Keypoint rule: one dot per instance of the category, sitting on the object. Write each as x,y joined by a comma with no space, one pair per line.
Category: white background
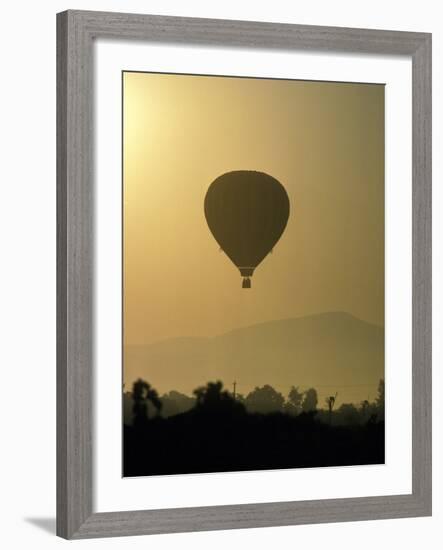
28,271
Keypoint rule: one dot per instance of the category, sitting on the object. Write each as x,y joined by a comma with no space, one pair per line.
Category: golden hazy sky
323,141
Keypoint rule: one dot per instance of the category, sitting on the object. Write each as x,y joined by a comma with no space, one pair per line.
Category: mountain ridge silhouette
328,349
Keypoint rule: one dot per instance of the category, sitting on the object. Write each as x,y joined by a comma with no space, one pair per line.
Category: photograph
253,269
218,275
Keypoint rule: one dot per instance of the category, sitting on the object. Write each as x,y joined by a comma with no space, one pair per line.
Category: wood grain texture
422,272
76,31
75,263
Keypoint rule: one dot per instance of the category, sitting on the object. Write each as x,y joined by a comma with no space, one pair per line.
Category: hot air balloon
247,212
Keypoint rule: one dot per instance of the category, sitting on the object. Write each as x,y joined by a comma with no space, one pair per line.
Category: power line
345,385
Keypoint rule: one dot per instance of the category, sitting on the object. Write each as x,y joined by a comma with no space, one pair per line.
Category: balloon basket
246,282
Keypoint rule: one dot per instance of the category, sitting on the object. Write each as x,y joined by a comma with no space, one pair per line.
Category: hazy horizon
205,335
347,356
323,141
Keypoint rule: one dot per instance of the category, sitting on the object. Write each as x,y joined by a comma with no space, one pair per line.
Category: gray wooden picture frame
76,32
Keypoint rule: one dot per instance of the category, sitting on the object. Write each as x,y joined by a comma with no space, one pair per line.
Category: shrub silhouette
175,402
294,402
142,393
380,400
264,400
347,415
310,400
213,399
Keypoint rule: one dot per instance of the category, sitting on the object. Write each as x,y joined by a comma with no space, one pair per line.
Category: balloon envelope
247,212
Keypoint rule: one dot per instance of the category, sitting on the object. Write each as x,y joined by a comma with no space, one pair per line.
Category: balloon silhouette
247,212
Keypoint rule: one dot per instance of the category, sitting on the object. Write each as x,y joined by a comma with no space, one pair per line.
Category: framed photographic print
244,274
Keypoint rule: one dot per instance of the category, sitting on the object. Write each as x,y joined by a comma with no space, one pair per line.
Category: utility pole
234,385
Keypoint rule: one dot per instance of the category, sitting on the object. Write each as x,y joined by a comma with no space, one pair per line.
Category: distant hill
330,351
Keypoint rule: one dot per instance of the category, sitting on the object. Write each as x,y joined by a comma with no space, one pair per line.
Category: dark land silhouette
217,430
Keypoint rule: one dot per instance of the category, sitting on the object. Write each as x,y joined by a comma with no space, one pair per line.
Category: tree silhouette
216,433
128,406
310,400
348,415
240,398
294,401
380,399
142,393
264,400
175,402
366,410
213,399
